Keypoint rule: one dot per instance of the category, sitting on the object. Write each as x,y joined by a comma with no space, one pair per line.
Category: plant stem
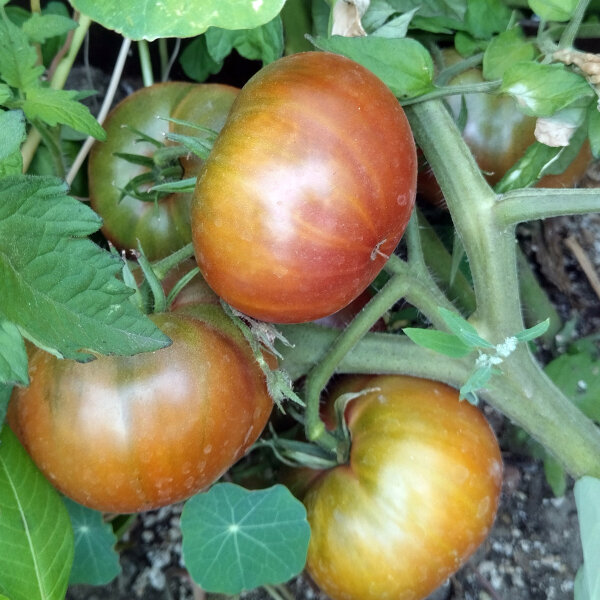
530,204
145,63
568,36
453,90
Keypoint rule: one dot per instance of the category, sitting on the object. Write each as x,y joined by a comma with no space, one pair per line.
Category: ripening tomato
498,134
307,190
417,497
163,226
132,433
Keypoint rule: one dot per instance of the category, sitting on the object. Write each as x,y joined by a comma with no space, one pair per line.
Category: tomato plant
127,434
416,498
159,222
307,190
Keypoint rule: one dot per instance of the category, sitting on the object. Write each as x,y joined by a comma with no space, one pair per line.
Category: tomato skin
498,134
164,227
128,434
307,190
418,495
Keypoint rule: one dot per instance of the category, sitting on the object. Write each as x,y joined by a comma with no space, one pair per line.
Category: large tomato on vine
132,433
418,495
307,190
160,222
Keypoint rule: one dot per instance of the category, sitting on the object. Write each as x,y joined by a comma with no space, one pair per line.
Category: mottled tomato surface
132,433
417,497
164,226
307,190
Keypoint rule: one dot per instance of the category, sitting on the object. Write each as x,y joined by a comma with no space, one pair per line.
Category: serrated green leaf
578,377
59,289
504,50
58,106
463,329
438,341
553,10
36,539
17,57
542,90
484,18
533,332
38,28
173,18
235,539
403,64
13,356
95,561
587,498
12,135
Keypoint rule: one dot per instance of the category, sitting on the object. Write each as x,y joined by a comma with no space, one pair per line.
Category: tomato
161,227
307,190
417,497
132,433
498,135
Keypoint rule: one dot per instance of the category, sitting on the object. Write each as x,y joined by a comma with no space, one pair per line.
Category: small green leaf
594,129
183,186
553,10
235,539
467,45
197,62
95,562
5,93
13,356
17,57
504,50
438,341
58,106
587,498
533,332
463,329
36,539
555,475
38,28
484,18
12,135
541,90
56,285
173,18
476,381
403,64
396,27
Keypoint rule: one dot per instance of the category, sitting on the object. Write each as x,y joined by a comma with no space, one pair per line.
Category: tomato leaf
12,134
58,106
476,381
553,10
173,18
438,341
541,90
13,357
235,539
18,58
38,28
486,17
505,50
61,290
403,64
463,329
396,27
533,332
95,562
36,540
587,498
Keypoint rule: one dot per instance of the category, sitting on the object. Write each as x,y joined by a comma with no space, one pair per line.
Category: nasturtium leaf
58,287
587,498
403,64
13,356
196,61
553,10
38,28
147,19
578,377
438,341
59,106
18,58
504,50
12,135
95,562
484,18
236,539
36,539
541,90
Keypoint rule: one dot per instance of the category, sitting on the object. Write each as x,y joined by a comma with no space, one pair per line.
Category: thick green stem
145,63
567,39
522,391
